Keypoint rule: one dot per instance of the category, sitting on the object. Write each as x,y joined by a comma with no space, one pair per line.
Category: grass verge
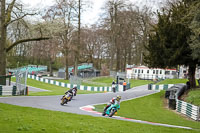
151,108
107,81
172,81
53,89
193,97
83,83
15,119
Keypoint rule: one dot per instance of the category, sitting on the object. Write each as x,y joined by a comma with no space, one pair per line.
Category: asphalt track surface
80,101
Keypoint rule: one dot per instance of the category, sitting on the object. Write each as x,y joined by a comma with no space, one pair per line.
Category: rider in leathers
115,100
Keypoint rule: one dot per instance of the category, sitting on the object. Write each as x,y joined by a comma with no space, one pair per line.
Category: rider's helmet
118,98
75,87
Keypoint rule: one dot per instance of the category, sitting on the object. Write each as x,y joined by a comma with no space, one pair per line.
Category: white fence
187,109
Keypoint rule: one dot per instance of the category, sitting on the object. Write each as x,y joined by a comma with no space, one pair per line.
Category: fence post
198,117
14,90
27,90
1,89
149,86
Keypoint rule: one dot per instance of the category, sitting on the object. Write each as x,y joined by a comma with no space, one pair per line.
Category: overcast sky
91,15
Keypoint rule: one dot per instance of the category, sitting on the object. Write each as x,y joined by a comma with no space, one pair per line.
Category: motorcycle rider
115,100
75,89
72,92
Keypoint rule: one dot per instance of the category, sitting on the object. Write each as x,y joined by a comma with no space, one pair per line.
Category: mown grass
135,83
193,97
151,108
15,119
83,83
62,80
53,89
107,81
172,81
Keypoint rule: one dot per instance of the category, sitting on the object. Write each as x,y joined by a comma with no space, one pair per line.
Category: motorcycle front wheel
112,112
63,101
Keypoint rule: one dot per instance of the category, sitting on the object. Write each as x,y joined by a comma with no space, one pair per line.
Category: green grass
15,119
172,81
151,108
107,81
53,89
193,97
83,83
63,80
135,83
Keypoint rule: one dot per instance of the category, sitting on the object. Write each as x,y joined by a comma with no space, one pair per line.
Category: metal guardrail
7,90
11,91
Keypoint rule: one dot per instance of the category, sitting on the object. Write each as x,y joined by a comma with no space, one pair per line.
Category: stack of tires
174,93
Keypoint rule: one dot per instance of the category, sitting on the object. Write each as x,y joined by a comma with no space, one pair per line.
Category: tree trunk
118,60
129,55
191,73
50,67
3,40
66,66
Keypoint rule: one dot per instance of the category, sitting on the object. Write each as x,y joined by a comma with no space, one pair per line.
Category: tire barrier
173,94
80,87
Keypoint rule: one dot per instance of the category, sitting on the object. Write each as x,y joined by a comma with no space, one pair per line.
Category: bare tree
6,20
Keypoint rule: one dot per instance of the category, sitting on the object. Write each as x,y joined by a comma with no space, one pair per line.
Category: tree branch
25,40
8,11
19,18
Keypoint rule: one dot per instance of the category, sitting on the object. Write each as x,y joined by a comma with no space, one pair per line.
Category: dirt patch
184,96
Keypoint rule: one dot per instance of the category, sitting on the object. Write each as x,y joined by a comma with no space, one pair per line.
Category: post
1,90
27,90
14,90
149,86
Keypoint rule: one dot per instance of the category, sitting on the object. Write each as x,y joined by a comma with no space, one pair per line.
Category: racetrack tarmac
53,102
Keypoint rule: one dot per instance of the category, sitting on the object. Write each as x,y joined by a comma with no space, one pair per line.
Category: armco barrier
8,91
80,87
159,87
187,109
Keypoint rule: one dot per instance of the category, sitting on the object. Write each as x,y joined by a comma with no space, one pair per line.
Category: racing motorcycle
111,110
66,98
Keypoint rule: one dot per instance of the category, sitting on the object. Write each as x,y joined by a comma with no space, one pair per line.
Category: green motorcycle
111,110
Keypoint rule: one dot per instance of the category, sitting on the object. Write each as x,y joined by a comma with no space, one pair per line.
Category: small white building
143,72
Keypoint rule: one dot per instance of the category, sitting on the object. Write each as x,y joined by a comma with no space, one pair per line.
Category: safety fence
11,91
188,109
68,85
159,87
